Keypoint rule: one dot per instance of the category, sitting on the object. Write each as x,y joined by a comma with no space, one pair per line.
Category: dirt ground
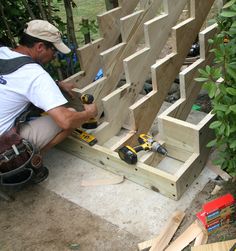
41,220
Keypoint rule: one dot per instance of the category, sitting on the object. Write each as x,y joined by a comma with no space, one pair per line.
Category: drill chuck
156,147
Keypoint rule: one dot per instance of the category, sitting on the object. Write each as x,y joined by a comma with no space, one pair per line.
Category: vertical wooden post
110,4
87,37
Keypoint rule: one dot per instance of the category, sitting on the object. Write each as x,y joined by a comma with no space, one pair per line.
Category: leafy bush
220,82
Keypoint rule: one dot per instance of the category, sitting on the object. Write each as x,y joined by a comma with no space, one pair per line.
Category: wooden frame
126,116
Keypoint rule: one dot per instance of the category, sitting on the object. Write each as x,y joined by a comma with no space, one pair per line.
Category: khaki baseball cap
42,29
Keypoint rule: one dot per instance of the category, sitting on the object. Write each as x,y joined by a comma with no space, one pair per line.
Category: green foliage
90,26
220,82
17,15
14,19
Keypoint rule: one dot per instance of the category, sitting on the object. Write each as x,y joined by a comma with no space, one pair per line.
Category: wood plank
152,178
168,232
178,133
218,246
189,88
201,239
145,246
127,24
185,238
102,182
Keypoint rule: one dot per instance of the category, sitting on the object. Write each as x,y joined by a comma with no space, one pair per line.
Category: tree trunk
42,12
70,24
26,5
8,30
71,32
49,11
87,38
110,4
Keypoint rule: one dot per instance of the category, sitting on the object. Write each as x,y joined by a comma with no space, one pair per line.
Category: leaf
208,69
215,124
233,24
233,144
220,107
227,133
212,143
201,79
203,73
230,3
212,91
217,73
233,108
228,14
74,246
218,162
210,41
222,129
231,91
231,72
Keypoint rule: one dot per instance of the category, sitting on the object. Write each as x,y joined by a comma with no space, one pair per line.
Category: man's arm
68,118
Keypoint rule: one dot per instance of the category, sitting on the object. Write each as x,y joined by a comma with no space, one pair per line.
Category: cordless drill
92,123
147,143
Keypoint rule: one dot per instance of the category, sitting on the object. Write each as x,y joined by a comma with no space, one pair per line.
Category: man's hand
67,87
91,109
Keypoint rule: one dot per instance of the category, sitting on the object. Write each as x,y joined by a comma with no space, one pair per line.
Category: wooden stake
185,238
160,242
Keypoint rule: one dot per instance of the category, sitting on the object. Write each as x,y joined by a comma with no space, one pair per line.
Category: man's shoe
39,175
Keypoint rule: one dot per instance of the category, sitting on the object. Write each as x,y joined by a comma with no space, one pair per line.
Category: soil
38,219
41,220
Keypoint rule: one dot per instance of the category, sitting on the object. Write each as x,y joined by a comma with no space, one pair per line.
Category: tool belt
16,155
19,159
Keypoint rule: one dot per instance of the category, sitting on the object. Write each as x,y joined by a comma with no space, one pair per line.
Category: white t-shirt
28,84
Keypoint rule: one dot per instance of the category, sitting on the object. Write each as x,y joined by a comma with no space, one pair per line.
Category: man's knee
40,131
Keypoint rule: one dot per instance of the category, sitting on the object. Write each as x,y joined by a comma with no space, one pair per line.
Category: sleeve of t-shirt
45,94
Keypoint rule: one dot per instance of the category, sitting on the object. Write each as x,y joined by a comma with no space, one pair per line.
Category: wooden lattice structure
125,114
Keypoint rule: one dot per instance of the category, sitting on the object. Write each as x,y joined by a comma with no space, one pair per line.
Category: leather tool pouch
16,155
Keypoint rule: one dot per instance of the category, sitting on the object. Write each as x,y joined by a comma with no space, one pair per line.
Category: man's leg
43,133
56,140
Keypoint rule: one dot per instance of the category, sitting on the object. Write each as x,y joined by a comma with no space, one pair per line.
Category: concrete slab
130,206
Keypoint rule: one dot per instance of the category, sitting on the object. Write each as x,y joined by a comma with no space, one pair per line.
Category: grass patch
84,9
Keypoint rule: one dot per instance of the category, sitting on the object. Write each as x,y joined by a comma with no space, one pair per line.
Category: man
32,84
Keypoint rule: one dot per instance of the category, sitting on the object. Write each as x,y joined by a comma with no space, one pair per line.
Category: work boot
40,172
39,175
